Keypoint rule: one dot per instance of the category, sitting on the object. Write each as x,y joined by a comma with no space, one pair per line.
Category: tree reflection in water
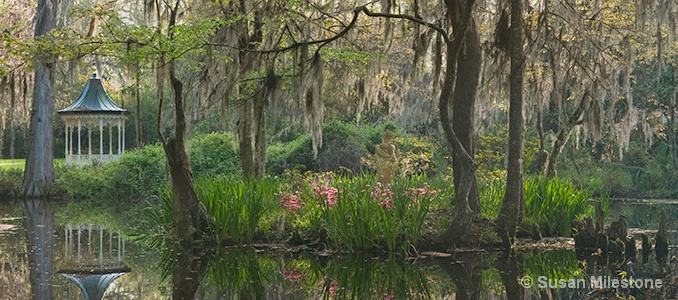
248,273
39,225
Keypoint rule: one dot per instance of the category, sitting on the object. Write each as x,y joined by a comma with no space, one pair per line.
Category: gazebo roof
93,100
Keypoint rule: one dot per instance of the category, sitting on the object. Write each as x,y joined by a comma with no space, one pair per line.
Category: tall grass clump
358,213
238,206
557,203
553,202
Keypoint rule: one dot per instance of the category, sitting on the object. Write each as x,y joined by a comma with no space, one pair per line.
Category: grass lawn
20,163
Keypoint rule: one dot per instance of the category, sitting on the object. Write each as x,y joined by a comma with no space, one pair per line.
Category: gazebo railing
88,159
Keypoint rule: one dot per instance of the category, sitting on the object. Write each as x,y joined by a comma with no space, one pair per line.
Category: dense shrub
346,213
342,150
10,182
135,174
347,148
214,154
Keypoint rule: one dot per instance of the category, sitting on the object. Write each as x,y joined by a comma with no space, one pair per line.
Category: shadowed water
54,250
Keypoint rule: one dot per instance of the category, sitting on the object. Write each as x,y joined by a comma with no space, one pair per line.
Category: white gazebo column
66,142
89,141
123,135
70,142
119,139
79,142
110,140
101,139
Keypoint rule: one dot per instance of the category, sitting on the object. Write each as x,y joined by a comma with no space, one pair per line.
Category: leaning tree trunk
463,212
192,223
513,206
39,170
463,107
564,135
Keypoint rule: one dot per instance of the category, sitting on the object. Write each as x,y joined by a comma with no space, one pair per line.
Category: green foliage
388,279
357,213
347,147
342,151
556,202
135,174
214,154
238,206
349,214
247,274
491,196
10,182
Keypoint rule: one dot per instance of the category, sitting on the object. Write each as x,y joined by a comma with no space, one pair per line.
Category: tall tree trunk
10,114
513,206
269,86
671,131
39,170
137,112
245,139
247,63
3,116
463,107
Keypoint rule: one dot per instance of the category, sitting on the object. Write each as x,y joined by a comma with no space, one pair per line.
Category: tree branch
433,26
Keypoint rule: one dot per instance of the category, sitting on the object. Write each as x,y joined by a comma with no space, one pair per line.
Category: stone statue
386,158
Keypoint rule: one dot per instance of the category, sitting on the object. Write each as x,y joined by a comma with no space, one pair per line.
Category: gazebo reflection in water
93,259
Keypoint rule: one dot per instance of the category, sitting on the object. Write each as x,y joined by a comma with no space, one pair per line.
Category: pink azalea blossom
383,196
329,194
290,201
294,274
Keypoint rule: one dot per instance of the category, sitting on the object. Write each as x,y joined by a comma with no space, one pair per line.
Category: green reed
344,213
556,202
238,206
553,201
364,214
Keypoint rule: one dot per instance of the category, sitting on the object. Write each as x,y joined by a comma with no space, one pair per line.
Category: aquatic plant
557,202
366,214
549,201
238,205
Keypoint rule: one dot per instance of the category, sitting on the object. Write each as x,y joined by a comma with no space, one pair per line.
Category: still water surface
63,251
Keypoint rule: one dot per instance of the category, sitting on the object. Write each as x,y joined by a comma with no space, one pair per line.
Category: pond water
68,251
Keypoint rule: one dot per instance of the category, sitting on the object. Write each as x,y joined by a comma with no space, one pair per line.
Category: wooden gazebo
93,109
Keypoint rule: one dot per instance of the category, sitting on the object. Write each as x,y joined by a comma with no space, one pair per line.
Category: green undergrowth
549,203
353,214
342,213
